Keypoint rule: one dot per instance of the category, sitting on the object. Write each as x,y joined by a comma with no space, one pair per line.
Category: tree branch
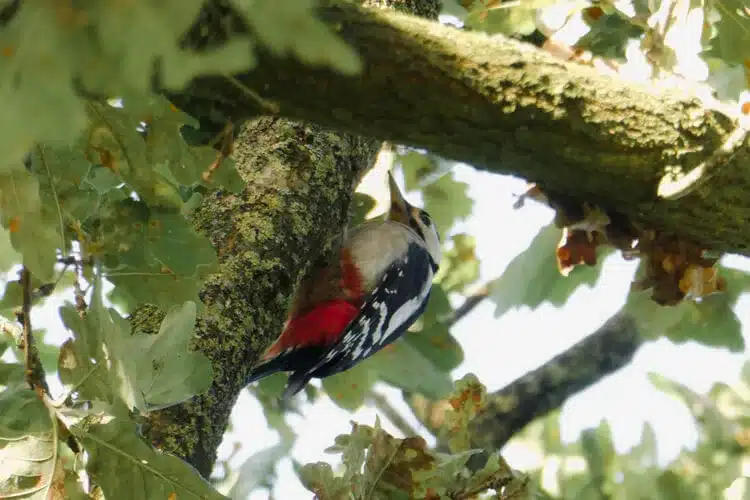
491,102
510,409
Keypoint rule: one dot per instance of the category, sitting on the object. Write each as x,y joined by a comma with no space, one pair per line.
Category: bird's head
415,218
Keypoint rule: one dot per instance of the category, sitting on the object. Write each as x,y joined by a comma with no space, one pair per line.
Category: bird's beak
399,211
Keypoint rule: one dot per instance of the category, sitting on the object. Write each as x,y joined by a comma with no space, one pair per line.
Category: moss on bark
510,108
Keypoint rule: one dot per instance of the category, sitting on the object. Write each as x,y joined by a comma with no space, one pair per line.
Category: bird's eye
426,219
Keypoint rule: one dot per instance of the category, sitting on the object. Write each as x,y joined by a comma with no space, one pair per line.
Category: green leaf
431,335
404,366
10,372
294,28
731,33
598,450
349,389
186,164
609,35
645,453
12,297
158,270
533,278
318,477
40,104
715,426
115,142
168,235
519,19
418,169
467,399
267,391
8,255
32,234
27,444
673,486
353,449
167,372
99,361
447,200
139,32
113,444
63,174
258,471
231,57
711,322
460,266
393,465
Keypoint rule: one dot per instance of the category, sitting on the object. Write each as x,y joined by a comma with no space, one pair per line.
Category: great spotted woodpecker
362,301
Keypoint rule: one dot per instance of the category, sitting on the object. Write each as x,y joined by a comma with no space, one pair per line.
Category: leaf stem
35,375
471,302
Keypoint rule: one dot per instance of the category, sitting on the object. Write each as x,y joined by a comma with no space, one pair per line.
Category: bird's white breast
376,245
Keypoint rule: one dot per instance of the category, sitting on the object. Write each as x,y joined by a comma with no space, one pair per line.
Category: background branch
510,409
384,407
471,302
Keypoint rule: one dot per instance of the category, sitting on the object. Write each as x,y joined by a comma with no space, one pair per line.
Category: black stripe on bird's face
417,216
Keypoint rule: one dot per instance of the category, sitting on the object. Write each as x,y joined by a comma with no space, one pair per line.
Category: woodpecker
362,301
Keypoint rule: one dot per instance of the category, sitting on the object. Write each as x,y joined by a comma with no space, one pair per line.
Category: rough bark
540,391
509,108
300,179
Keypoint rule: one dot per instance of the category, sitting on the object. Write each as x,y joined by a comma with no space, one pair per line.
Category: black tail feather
298,359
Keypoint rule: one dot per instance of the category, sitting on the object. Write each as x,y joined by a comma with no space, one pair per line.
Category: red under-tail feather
319,326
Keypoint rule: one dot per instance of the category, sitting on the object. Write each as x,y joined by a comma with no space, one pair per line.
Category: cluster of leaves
613,25
700,292
118,195
593,469
112,183
119,180
42,441
379,466
113,48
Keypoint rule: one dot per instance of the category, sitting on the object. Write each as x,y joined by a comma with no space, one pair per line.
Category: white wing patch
403,313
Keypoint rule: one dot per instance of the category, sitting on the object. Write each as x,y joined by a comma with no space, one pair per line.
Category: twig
34,370
471,302
383,406
226,136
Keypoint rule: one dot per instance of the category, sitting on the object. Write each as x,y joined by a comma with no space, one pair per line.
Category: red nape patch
320,326
351,278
